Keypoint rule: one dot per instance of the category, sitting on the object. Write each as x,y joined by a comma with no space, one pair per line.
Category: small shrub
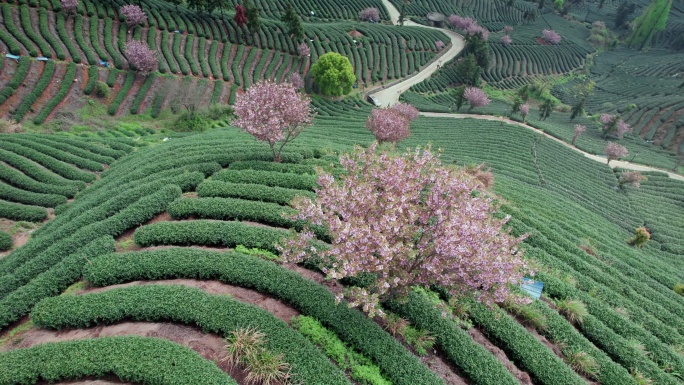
396,325
575,311
101,89
267,368
219,111
582,363
5,241
421,340
640,238
265,254
679,289
640,378
241,344
189,121
10,127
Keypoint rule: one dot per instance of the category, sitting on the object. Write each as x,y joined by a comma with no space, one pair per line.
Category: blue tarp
533,288
9,55
104,63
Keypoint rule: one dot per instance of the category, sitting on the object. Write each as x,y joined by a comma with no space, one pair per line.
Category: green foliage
14,31
361,368
17,78
575,311
583,363
190,122
18,212
293,22
653,19
272,166
257,192
214,313
6,241
18,179
64,87
679,289
333,74
44,31
268,178
468,70
130,359
257,252
36,91
135,107
308,297
123,92
640,238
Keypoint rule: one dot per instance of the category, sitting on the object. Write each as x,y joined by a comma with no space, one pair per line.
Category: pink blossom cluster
140,56
551,36
297,81
439,45
133,14
506,40
524,110
304,50
615,151
476,97
370,14
388,125
69,6
614,124
579,129
631,178
508,29
411,222
468,25
273,113
407,110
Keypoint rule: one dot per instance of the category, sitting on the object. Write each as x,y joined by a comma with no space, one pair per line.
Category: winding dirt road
390,95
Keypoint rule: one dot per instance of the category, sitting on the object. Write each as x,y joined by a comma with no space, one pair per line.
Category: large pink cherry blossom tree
476,97
133,14
273,113
392,124
410,221
140,56
69,6
615,151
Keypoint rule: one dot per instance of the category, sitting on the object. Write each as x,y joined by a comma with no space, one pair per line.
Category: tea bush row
213,313
308,297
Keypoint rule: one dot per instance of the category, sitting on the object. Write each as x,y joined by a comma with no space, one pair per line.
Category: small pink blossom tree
631,178
140,56
550,36
133,14
615,151
476,97
506,40
273,113
407,110
388,125
508,29
613,124
69,6
304,50
524,110
410,221
439,45
370,14
579,129
297,81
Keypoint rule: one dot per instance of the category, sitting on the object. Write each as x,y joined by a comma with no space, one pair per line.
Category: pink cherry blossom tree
297,81
133,14
273,113
388,125
476,97
370,14
69,6
524,110
508,29
407,110
613,124
506,40
550,36
304,50
579,129
439,45
409,221
140,56
615,151
631,178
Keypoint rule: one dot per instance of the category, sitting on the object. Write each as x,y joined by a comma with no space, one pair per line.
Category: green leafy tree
478,46
546,108
578,108
468,71
333,74
253,21
458,94
293,22
652,20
